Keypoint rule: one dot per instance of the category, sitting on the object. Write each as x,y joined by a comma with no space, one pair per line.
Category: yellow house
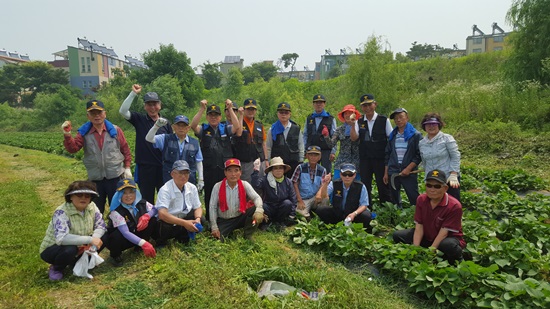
479,42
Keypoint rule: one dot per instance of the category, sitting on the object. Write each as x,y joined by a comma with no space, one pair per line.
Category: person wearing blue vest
178,146
215,142
307,181
349,199
318,131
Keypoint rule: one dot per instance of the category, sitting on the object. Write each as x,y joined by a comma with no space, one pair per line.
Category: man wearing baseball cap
372,130
307,180
179,206
438,220
177,146
215,142
148,170
348,197
228,204
107,156
318,130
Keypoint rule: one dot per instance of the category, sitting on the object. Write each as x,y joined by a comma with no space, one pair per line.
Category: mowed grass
204,274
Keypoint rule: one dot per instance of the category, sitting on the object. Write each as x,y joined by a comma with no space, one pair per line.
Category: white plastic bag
87,261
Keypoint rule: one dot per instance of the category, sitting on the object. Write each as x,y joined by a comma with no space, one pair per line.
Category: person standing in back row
148,171
372,130
318,131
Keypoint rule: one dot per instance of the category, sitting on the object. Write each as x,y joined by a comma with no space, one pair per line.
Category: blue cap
95,104
181,165
283,106
347,167
125,183
319,97
151,97
366,99
398,111
250,103
181,118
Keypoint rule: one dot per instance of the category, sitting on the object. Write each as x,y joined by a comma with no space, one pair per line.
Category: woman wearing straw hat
349,150
278,193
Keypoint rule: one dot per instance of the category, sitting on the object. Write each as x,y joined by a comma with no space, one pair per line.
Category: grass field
205,274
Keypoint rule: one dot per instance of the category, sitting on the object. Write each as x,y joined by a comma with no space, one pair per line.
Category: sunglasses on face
348,174
81,195
428,185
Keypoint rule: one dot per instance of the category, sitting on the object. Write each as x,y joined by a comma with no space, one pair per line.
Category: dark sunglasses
87,195
348,174
433,186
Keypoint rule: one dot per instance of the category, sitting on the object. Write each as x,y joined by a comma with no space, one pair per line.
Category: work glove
324,132
257,164
453,181
148,250
200,184
258,217
143,222
127,173
161,122
66,127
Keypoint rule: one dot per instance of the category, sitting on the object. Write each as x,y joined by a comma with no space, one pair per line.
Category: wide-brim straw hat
277,161
348,108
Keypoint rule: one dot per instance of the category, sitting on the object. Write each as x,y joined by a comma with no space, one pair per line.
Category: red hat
348,108
232,162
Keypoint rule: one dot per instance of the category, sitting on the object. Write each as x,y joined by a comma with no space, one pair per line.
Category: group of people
251,177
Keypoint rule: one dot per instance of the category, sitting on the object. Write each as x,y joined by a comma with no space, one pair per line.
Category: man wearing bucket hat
229,207
348,197
349,150
284,139
107,156
131,222
179,206
215,142
178,146
438,220
148,170
372,130
307,180
318,130
277,192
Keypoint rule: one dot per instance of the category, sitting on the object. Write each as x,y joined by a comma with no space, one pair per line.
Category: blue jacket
412,137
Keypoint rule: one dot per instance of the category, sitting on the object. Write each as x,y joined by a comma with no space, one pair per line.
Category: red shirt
73,145
446,215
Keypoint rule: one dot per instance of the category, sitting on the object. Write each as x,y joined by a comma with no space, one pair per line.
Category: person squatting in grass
107,156
228,204
279,198
76,225
131,222
307,181
438,220
148,170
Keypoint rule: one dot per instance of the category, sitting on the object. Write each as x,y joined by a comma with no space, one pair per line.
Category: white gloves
257,164
200,184
453,181
127,173
66,127
161,122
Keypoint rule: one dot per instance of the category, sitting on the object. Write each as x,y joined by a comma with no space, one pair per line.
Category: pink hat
348,108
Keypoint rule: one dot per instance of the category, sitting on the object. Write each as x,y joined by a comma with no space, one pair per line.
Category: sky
255,30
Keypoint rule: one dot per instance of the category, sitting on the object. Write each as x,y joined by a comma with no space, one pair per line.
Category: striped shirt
400,147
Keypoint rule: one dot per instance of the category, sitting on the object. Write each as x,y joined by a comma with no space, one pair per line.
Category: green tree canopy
529,59
234,85
211,75
419,51
263,70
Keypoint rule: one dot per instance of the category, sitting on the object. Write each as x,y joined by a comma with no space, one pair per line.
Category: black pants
166,231
410,184
376,167
116,243
330,215
149,179
212,175
244,221
60,256
450,246
293,165
325,160
106,189
279,212
454,192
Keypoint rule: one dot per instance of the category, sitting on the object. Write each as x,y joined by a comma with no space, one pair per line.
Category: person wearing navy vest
215,142
131,222
372,130
148,169
107,156
284,139
318,130
349,199
307,181
251,144
177,146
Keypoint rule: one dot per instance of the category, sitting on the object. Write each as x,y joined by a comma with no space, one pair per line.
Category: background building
7,57
479,42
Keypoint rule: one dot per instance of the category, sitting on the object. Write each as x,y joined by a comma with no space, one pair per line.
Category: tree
168,60
289,59
530,42
234,85
418,51
211,75
53,108
263,70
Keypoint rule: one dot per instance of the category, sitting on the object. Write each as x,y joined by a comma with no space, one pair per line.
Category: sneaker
116,261
54,274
